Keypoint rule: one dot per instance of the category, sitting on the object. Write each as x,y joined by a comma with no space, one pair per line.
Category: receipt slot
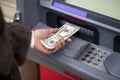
93,54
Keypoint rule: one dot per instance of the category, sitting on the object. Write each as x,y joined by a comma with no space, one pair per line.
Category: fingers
58,45
62,43
69,40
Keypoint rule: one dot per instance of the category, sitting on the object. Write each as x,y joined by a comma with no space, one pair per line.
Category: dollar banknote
64,32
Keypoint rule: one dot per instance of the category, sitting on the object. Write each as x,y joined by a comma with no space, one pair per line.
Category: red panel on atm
76,19
48,74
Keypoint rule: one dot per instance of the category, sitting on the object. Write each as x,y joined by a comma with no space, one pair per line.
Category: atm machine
93,54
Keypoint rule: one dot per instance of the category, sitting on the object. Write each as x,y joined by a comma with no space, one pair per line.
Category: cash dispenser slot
86,32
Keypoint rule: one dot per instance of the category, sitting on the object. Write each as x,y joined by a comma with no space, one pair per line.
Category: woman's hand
43,33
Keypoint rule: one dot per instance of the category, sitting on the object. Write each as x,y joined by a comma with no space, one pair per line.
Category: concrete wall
29,71
9,9
10,1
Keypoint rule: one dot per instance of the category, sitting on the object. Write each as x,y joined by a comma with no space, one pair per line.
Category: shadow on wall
29,71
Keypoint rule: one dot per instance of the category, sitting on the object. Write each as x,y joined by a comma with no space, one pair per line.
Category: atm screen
108,8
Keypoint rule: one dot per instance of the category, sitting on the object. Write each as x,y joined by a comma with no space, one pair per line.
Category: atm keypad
94,56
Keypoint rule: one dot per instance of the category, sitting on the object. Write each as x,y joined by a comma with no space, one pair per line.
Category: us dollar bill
64,32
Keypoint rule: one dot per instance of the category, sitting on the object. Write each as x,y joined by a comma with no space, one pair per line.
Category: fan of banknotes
64,32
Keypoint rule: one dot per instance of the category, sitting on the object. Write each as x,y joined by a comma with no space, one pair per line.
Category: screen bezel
93,15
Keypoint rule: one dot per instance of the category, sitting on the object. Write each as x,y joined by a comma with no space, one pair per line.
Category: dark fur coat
14,44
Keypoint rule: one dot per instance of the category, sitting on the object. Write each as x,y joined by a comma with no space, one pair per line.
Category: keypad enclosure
94,56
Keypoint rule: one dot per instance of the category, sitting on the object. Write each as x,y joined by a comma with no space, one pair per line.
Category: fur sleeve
21,37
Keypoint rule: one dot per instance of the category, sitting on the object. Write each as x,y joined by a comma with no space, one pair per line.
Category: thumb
53,30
